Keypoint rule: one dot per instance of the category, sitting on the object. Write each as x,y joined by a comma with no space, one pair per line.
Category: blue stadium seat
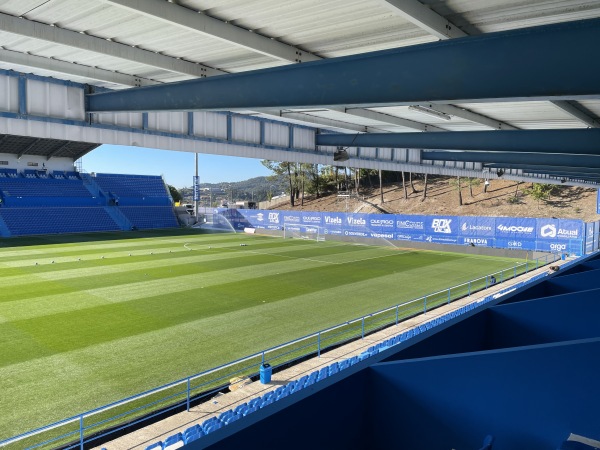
254,402
174,442
156,446
240,409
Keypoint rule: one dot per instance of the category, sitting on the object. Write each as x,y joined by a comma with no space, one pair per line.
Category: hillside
503,198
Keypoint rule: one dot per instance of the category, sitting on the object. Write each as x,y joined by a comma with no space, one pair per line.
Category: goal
297,231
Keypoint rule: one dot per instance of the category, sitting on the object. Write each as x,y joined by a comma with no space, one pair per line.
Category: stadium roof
119,44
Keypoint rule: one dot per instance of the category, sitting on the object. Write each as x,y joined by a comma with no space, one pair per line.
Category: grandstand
440,87
33,202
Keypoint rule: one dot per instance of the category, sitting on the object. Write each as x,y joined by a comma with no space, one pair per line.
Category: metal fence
92,427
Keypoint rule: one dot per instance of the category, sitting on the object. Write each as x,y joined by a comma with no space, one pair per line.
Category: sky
177,168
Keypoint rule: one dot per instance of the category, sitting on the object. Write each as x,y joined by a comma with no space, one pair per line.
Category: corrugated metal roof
326,29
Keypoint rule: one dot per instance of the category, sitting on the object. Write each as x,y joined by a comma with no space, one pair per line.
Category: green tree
541,192
175,194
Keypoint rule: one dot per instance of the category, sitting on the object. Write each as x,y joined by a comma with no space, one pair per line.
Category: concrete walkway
158,431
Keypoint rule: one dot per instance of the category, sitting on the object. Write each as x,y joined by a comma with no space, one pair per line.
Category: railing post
319,344
263,358
397,307
502,276
188,395
362,332
448,296
486,282
425,303
537,263
469,288
81,432
515,272
526,266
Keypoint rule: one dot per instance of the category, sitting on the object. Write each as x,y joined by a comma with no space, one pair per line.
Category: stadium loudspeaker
340,155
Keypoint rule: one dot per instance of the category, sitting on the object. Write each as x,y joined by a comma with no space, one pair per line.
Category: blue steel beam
517,158
546,168
564,175
551,62
571,141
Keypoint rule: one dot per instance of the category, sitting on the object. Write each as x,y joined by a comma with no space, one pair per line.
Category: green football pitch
87,320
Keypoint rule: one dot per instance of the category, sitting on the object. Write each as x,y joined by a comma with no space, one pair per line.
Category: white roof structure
118,44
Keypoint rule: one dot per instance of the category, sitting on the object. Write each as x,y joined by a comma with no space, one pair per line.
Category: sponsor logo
548,231
429,239
260,217
476,241
405,237
469,227
383,235
273,217
441,226
517,244
333,220
558,247
568,233
311,219
291,219
382,223
356,221
355,233
410,224
514,229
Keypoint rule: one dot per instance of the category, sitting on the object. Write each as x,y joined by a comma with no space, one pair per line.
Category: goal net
308,232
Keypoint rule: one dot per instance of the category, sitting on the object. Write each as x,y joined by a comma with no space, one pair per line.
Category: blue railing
96,424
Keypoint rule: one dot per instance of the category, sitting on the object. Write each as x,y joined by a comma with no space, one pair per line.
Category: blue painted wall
529,398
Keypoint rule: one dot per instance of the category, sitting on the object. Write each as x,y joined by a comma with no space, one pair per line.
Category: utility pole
196,188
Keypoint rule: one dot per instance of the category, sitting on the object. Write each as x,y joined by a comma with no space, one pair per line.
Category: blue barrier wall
551,235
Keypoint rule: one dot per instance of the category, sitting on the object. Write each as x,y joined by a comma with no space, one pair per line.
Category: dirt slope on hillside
503,198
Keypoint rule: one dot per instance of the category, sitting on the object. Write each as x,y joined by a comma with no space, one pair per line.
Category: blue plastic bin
265,373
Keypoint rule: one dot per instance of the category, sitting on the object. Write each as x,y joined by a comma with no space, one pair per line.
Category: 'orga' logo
441,226
259,217
548,231
274,217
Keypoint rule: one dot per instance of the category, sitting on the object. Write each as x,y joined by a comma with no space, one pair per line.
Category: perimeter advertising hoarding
502,232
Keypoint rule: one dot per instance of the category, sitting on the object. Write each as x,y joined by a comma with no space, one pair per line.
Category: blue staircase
120,219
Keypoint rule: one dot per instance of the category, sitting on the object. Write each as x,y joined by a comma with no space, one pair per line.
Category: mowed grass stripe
45,335
65,302
28,286
45,259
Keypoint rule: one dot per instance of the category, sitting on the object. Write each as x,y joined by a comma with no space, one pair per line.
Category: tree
404,187
284,168
424,189
175,194
541,192
456,184
381,186
472,182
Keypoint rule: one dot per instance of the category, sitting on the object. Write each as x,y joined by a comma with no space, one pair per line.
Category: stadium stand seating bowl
34,203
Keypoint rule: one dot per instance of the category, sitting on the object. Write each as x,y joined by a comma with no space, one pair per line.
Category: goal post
306,232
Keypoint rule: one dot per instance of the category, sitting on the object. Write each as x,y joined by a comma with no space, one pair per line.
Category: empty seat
174,442
156,446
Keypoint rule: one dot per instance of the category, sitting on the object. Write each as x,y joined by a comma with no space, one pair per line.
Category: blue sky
177,168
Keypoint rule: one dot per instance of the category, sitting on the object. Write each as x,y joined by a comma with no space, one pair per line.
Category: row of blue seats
21,187
196,432
27,221
144,218
132,187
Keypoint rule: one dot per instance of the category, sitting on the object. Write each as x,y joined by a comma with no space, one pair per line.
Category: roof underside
124,43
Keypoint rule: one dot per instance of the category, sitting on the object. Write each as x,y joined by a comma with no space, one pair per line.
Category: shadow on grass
27,241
